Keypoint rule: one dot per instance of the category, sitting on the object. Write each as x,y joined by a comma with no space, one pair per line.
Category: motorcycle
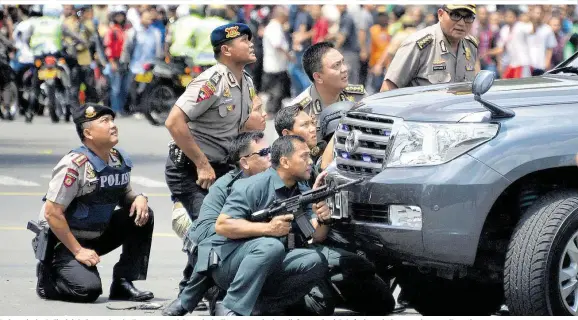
54,74
162,84
49,83
9,92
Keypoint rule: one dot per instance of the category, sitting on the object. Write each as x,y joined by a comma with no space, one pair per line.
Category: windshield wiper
568,69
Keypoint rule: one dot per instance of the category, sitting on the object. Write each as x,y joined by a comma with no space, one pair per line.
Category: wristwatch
144,195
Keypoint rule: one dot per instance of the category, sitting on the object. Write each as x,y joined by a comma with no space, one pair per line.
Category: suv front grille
376,213
373,134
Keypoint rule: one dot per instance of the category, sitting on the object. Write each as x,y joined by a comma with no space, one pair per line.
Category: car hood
453,102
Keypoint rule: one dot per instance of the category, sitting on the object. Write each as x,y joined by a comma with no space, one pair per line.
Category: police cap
228,32
470,7
91,111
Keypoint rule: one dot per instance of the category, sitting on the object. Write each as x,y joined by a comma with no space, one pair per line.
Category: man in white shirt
541,42
276,57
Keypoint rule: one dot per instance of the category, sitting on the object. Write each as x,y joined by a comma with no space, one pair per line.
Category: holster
43,243
178,157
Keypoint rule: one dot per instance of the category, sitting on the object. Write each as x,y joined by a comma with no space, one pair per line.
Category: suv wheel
541,270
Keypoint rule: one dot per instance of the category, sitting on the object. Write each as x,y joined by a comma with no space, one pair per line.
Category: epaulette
305,102
354,89
424,41
472,39
80,160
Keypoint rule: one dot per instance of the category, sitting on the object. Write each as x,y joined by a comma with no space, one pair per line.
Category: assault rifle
296,206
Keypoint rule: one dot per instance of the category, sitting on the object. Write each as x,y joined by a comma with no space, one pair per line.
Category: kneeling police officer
87,185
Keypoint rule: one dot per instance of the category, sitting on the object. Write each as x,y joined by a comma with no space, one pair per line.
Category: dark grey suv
471,191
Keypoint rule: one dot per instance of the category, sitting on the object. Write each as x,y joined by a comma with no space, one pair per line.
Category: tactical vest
48,34
204,54
182,32
92,211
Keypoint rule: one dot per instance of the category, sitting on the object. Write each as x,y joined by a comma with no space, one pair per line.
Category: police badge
90,112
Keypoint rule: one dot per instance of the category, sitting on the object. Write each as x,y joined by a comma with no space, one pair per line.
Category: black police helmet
329,118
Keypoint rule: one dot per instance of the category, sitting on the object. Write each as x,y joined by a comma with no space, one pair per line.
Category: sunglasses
455,16
263,152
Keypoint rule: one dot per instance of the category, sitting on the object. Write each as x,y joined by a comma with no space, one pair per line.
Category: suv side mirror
482,82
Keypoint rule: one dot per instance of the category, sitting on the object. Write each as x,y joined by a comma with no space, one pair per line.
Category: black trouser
278,86
70,280
80,74
183,187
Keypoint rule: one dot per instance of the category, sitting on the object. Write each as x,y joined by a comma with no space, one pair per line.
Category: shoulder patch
305,101
210,87
424,41
80,160
473,40
355,89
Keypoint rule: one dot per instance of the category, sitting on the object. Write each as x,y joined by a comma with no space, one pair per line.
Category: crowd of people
367,35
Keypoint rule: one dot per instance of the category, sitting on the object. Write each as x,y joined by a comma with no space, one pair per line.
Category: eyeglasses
455,16
263,152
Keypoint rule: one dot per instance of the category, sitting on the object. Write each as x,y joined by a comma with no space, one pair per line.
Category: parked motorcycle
165,82
54,79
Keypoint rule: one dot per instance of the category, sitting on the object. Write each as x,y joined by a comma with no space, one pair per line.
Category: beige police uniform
74,176
217,106
311,102
426,58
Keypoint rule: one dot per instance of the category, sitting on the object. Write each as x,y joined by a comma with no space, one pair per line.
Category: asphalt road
28,152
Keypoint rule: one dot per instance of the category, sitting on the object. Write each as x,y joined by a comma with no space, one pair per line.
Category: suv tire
542,248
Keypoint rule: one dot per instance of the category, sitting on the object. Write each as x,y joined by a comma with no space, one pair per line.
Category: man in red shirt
113,43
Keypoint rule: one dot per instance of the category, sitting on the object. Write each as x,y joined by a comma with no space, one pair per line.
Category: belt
86,234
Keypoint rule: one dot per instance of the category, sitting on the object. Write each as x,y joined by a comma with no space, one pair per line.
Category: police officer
216,106
182,31
251,152
45,35
326,68
292,120
360,289
86,186
441,53
253,264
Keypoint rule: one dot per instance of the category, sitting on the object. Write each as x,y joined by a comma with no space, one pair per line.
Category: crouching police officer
260,275
87,184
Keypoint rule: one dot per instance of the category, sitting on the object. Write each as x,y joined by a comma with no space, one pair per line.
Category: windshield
571,62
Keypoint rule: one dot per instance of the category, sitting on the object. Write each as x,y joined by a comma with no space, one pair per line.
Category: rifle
296,205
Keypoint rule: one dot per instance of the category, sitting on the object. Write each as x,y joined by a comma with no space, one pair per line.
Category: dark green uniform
316,302
258,272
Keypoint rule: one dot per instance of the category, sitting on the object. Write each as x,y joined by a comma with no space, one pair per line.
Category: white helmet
118,9
52,10
183,10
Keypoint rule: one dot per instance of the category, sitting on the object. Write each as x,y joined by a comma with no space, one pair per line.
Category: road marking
10,181
155,234
46,176
146,182
41,194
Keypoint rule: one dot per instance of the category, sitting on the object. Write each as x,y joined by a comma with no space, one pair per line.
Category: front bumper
454,198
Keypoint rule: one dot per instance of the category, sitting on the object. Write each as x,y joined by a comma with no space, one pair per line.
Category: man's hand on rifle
321,209
280,226
320,180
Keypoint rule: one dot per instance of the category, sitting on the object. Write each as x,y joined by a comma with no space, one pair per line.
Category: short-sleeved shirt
63,188
426,58
217,105
312,104
247,196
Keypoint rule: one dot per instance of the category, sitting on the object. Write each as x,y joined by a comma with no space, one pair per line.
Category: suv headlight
426,144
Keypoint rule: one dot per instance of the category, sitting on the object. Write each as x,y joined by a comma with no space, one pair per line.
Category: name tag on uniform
439,65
